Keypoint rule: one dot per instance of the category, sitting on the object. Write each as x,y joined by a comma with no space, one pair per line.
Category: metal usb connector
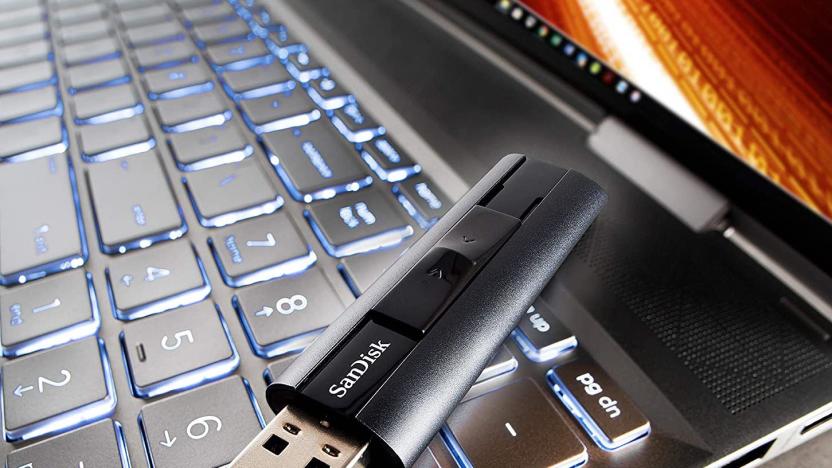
295,438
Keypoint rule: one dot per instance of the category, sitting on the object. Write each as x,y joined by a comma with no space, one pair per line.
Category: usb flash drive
378,384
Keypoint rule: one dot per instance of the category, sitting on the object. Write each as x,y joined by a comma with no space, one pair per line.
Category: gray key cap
209,147
154,280
25,76
355,125
238,55
286,315
126,5
22,16
169,352
166,83
21,34
98,445
84,32
502,363
518,416
192,112
114,139
327,94
279,111
361,271
208,34
422,200
154,33
40,233
232,192
304,67
208,13
274,369
34,51
160,54
133,204
53,391
48,313
83,77
29,140
541,336
315,162
102,105
260,249
257,81
146,15
357,222
79,14
90,51
211,424
27,103
388,161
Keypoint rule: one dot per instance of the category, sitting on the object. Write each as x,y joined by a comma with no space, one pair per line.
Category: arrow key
57,390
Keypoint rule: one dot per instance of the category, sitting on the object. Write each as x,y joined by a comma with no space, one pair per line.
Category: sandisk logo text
358,368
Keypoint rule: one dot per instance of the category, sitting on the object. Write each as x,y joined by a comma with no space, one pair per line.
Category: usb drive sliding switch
380,381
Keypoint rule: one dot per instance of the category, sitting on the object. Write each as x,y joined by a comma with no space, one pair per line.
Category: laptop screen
753,75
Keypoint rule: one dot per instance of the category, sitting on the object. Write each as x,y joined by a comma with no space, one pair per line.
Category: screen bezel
787,217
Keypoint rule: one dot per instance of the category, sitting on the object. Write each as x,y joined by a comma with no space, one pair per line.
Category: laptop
190,190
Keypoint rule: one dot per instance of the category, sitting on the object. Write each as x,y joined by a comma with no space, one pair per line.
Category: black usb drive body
378,384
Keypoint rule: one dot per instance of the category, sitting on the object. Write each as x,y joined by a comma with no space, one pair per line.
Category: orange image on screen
755,75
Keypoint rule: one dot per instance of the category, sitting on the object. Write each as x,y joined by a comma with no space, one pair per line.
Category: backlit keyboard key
607,414
541,336
388,162
57,390
178,350
303,67
48,313
258,81
34,51
355,125
84,77
29,105
167,53
34,139
97,445
106,105
150,281
192,112
209,147
179,81
24,77
515,425
151,14
501,363
205,14
156,33
213,423
84,32
232,192
260,249
285,315
238,55
278,111
357,222
361,271
91,51
115,139
21,34
422,200
78,14
314,162
327,94
41,234
214,33
26,15
132,203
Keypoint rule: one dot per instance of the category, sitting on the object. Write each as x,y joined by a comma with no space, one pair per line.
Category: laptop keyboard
179,182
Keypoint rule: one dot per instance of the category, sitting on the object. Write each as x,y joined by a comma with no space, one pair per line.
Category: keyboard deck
187,198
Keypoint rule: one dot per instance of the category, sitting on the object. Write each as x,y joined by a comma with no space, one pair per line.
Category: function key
192,112
178,81
422,200
260,249
35,139
355,125
178,350
515,425
314,162
115,139
284,316
97,445
48,313
357,222
327,94
21,78
107,104
42,233
262,80
209,147
541,336
229,193
29,105
238,55
214,422
133,204
278,111
154,280
387,161
606,413
85,77
57,390
304,67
